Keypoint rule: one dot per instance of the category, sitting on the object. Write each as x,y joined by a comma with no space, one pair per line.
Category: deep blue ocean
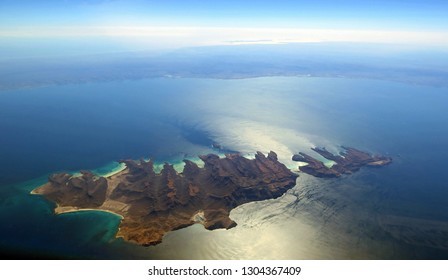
395,212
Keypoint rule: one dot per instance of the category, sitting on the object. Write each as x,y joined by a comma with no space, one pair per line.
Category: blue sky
164,22
404,14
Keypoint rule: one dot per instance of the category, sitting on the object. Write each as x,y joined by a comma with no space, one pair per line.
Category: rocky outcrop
347,162
153,204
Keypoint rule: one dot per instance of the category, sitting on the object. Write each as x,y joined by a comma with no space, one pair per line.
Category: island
347,162
152,204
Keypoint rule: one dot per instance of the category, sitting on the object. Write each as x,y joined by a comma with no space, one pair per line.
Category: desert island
152,204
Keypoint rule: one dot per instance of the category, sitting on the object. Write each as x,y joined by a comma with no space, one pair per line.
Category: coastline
33,191
58,210
69,209
114,171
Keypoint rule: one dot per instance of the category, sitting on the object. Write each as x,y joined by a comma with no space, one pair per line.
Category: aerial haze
87,84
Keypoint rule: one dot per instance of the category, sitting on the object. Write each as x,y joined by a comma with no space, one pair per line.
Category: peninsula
347,162
152,204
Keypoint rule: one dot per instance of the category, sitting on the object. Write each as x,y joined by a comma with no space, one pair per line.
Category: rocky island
347,162
152,204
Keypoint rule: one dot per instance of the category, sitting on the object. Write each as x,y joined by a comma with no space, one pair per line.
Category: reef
152,204
347,162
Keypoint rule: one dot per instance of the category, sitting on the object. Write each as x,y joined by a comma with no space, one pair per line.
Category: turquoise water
399,211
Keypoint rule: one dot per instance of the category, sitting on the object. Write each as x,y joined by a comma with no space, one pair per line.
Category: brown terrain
153,204
349,161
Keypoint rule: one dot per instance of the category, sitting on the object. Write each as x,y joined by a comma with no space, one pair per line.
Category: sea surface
395,212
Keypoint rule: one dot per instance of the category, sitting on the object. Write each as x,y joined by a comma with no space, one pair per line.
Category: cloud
197,36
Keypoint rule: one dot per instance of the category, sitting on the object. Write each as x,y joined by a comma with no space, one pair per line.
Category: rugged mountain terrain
349,161
153,204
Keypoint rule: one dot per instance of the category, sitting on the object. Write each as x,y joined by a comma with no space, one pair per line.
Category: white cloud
197,36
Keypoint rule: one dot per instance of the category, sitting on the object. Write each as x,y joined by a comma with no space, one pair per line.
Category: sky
179,23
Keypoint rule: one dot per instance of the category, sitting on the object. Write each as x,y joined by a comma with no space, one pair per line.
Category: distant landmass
230,62
153,204
349,161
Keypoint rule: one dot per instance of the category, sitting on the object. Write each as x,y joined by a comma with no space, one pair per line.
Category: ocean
395,212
